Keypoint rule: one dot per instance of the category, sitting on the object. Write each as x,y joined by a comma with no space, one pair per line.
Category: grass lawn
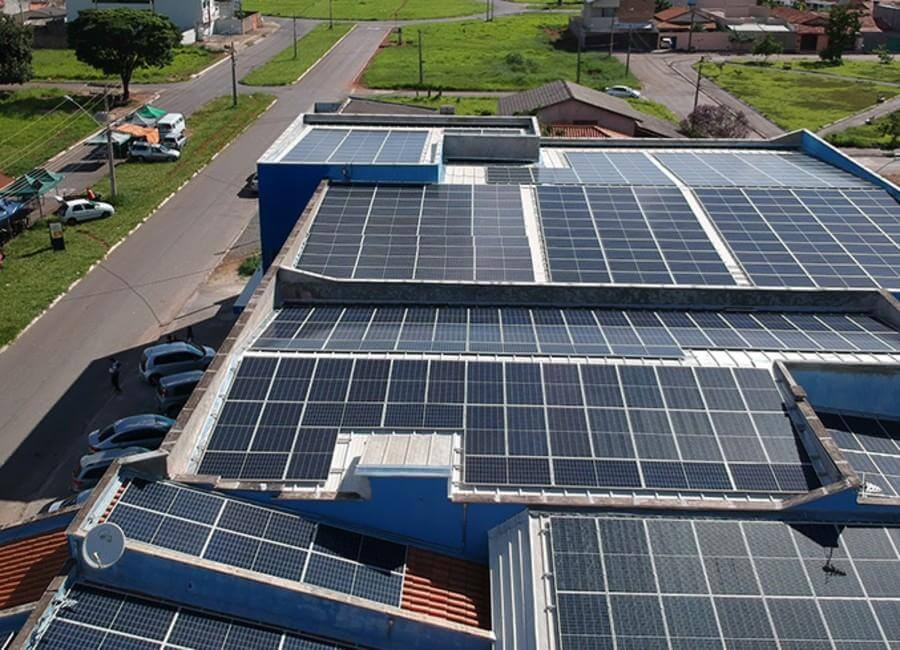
793,100
367,9
873,70
34,275
35,125
284,69
865,136
510,53
655,109
62,65
464,105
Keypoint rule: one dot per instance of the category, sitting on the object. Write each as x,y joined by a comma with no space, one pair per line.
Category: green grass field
35,125
34,275
463,105
367,9
873,70
510,53
654,108
62,65
793,100
284,69
865,136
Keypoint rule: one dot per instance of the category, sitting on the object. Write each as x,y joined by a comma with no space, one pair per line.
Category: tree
767,47
120,41
844,22
15,53
661,5
715,121
890,128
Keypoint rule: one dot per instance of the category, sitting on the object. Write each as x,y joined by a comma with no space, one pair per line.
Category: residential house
197,16
720,26
564,102
808,28
616,24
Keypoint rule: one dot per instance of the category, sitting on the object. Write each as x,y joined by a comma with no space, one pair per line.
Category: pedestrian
114,369
90,193
190,334
2,258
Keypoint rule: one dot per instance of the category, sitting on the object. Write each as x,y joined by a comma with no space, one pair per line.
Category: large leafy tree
844,22
15,51
119,41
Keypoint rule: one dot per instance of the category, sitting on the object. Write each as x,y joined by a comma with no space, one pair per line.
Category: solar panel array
685,584
805,238
631,427
264,540
871,445
438,232
626,235
571,331
359,146
616,168
93,618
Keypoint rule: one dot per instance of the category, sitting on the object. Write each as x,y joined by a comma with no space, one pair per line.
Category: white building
196,16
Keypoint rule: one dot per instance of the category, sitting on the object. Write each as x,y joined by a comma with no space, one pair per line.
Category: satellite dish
103,546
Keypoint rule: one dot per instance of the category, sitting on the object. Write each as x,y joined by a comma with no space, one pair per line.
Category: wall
184,13
572,112
51,36
709,41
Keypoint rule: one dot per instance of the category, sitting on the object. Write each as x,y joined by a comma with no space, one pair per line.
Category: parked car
62,504
169,358
151,152
146,431
91,466
171,123
622,91
78,210
175,140
173,391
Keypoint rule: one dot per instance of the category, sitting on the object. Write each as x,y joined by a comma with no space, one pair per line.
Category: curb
327,52
138,225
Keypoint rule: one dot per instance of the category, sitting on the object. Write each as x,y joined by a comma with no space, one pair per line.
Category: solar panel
572,244
616,168
439,232
803,237
685,583
91,617
871,445
359,146
561,331
263,540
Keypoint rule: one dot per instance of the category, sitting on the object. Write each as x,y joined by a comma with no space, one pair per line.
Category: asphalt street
53,377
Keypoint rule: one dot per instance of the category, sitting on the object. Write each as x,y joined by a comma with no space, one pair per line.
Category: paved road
669,79
874,112
53,378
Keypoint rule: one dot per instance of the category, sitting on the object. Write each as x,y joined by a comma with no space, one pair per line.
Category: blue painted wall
285,189
818,148
36,527
258,600
871,389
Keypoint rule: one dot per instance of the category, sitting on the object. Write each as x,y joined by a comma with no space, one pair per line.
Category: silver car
169,358
91,467
151,152
174,391
146,430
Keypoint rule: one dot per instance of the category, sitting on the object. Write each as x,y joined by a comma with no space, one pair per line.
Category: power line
31,123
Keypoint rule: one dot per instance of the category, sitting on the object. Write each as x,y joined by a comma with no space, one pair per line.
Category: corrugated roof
582,131
28,565
671,13
448,588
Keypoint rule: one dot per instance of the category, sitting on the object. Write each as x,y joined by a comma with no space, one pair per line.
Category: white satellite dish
103,546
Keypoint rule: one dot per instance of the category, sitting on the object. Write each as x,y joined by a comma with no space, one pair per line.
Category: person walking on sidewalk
114,370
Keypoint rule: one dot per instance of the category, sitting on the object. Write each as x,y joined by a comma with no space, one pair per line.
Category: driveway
53,377
669,79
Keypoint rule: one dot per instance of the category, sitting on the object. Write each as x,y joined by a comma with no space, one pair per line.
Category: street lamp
103,120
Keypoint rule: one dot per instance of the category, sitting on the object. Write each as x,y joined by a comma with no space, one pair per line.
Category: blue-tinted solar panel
572,244
316,146
75,625
616,168
684,583
360,146
402,147
872,447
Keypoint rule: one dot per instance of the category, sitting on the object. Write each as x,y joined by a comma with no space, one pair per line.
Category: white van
171,125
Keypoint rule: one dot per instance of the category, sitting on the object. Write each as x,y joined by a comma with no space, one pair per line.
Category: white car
78,210
622,91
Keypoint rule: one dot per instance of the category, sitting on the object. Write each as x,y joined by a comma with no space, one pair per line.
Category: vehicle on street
92,466
173,391
253,183
146,430
622,91
78,210
170,358
171,124
152,152
62,504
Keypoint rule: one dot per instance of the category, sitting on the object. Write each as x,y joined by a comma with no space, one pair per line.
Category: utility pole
578,63
109,147
233,77
691,33
294,24
612,36
697,87
628,54
421,63
330,14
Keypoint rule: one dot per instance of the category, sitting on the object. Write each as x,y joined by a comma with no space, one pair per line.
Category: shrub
710,121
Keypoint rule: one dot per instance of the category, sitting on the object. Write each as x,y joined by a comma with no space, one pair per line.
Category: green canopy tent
31,185
147,115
